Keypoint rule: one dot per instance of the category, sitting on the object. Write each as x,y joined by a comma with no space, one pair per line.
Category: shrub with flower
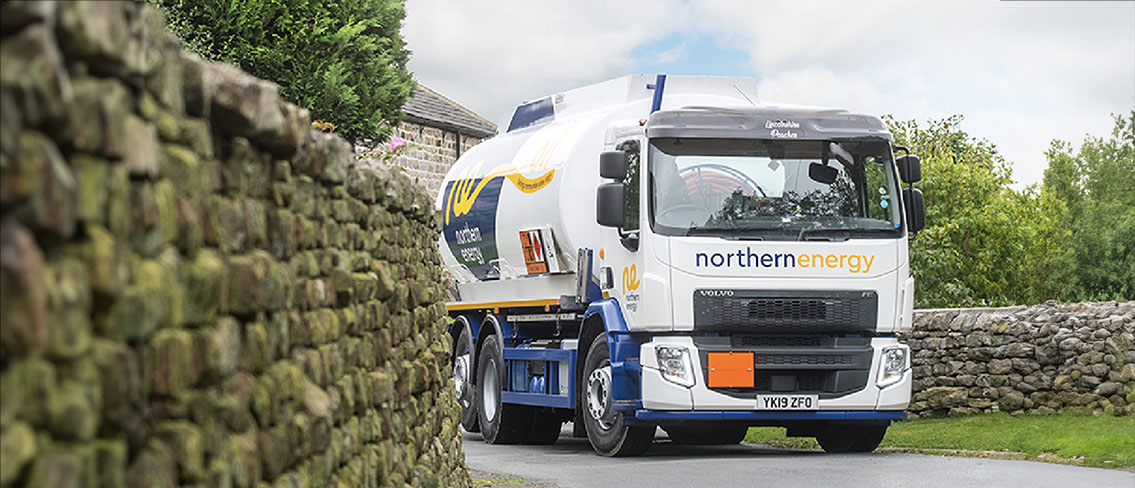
388,151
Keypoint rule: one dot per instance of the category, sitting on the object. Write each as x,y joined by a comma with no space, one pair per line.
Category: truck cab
746,266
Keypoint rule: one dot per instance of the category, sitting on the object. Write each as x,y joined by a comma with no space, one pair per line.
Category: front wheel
608,434
851,438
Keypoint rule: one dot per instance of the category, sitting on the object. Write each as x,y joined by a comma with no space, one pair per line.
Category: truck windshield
774,189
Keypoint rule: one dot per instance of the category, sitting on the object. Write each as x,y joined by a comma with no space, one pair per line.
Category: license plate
788,402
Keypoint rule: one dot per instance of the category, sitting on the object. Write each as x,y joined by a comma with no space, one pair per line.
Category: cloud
1023,73
492,54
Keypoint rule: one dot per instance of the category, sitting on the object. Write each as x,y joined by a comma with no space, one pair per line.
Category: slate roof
427,107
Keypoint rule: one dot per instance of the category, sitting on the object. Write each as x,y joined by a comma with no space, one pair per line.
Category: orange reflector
731,370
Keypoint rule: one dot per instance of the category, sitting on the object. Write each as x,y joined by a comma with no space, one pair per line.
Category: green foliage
1070,239
1094,189
984,244
345,60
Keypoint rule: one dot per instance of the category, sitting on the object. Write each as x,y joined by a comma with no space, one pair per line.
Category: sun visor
765,123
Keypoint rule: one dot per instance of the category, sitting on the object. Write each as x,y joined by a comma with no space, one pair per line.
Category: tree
345,60
1095,188
984,244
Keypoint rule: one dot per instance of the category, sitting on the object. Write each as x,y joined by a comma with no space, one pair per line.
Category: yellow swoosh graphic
463,194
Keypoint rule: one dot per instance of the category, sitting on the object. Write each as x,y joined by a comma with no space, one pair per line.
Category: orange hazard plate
731,370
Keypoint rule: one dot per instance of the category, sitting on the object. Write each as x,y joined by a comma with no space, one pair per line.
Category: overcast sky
1021,72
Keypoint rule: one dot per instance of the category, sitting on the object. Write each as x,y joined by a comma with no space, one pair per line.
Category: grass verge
1101,441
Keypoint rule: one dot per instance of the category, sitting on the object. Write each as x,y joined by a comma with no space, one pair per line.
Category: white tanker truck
658,251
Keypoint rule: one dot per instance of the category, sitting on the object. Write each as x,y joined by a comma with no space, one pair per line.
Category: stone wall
434,153
197,289
1043,358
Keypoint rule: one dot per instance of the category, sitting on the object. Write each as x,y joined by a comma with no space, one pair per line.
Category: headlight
895,363
675,365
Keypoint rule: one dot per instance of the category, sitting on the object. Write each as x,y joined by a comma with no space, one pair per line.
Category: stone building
441,131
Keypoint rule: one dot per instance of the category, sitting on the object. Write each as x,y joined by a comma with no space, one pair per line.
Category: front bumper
758,416
661,396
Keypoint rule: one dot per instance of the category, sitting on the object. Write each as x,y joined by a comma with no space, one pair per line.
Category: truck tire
501,423
706,435
851,438
463,383
608,434
545,429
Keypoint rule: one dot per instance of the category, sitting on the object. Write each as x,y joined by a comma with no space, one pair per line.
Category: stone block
169,357
120,377
96,122
205,284
110,458
17,450
56,468
107,36
219,348
73,412
35,75
143,304
246,466
242,105
246,276
255,354
23,295
187,446
140,148
43,185
153,466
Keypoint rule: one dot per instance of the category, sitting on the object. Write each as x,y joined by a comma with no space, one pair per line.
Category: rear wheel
463,383
706,435
608,434
851,438
500,423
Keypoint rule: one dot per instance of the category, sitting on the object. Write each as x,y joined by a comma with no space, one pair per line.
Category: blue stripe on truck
664,415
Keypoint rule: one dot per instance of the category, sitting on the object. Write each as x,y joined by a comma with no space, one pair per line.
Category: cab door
621,252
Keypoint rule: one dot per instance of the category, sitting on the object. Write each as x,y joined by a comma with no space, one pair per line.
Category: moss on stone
17,449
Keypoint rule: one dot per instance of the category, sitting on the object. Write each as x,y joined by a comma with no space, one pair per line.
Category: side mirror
610,204
915,209
822,173
613,165
910,168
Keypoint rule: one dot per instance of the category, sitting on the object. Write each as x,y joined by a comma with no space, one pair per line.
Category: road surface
570,463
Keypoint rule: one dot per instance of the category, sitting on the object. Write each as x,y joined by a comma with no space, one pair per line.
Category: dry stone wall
195,288
1043,358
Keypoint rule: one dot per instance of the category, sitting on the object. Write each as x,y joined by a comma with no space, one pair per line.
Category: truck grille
781,311
830,366
776,341
788,360
808,381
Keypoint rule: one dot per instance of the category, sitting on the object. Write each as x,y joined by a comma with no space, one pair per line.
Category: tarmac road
571,463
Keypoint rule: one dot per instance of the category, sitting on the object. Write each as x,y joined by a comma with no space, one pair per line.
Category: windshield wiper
727,233
830,234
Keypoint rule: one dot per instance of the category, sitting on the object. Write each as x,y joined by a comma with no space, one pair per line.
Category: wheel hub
461,376
599,397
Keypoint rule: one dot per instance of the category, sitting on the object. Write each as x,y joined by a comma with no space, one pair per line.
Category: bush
345,60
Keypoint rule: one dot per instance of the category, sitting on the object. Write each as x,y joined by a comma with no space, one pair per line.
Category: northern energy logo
746,258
